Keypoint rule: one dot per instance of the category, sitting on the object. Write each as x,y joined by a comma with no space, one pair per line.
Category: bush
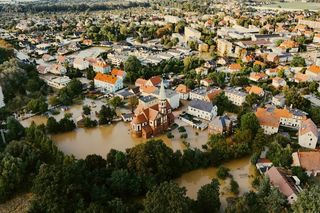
223,172
181,129
184,136
170,135
234,186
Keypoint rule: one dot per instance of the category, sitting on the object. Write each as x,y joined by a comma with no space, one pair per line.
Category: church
153,120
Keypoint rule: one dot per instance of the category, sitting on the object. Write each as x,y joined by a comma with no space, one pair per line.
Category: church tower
162,100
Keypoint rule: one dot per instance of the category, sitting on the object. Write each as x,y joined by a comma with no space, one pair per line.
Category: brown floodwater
241,169
102,139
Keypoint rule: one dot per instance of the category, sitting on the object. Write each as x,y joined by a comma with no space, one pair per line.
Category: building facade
153,120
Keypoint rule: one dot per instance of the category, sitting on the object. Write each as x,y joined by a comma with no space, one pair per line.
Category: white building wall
308,140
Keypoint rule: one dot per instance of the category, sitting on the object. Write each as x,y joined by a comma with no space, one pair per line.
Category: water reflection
240,169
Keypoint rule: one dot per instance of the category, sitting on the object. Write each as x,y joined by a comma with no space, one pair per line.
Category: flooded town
159,106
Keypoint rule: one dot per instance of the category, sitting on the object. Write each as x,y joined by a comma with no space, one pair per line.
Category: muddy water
102,139
241,170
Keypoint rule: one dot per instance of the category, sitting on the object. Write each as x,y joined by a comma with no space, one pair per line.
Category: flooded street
240,169
102,139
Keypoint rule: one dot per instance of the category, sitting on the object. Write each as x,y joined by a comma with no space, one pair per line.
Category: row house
271,118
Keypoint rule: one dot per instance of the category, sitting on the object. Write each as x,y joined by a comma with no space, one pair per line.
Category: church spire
162,93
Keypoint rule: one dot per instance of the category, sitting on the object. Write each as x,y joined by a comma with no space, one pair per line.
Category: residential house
212,94
313,72
206,82
202,109
183,91
153,120
300,77
220,125
308,134
286,183
119,73
57,82
278,82
233,68
154,81
202,71
191,34
101,66
80,63
58,69
255,90
140,82
2,104
258,76
279,100
107,83
235,96
270,118
309,161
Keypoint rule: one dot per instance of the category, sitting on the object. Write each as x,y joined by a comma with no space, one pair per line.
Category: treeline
36,8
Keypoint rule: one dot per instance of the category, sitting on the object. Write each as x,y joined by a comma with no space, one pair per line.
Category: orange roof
155,80
257,75
289,44
141,81
254,89
182,89
212,95
317,35
148,89
300,77
310,161
259,63
140,118
314,68
235,66
106,78
117,72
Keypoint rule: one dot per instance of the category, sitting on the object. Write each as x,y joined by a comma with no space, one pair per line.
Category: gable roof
106,78
314,69
278,179
182,89
308,126
310,161
201,105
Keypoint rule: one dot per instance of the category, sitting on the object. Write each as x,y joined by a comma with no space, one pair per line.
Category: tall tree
168,197
208,197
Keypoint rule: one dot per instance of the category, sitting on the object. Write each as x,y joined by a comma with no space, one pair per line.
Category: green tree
223,172
168,197
298,61
37,105
52,125
280,156
133,102
115,102
106,114
308,200
208,197
234,186
250,121
132,66
86,110
14,129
